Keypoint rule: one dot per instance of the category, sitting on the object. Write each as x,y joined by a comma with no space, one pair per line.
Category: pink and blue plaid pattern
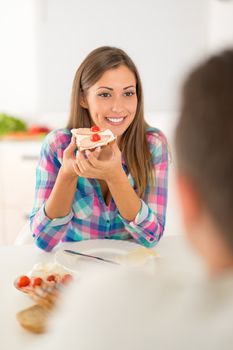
90,218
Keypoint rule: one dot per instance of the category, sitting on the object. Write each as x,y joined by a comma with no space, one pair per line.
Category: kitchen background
42,42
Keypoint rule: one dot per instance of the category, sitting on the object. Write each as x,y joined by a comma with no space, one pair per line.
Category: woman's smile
115,121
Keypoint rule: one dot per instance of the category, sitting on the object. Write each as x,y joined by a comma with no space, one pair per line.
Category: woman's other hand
102,164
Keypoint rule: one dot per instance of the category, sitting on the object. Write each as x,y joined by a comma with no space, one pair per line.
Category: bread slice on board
33,319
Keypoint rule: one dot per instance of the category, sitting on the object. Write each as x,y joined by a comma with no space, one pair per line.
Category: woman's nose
117,106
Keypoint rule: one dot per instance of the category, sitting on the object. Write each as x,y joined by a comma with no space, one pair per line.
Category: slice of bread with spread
33,319
91,138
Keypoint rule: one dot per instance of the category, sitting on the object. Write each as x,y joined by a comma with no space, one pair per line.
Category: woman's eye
129,93
104,94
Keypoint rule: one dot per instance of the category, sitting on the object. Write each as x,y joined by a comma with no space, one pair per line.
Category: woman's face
112,100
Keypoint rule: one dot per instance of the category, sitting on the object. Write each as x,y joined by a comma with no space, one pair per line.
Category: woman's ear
83,100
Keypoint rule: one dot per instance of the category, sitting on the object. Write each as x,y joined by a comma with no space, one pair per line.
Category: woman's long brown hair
133,143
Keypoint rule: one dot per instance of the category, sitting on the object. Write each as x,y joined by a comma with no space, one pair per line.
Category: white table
18,260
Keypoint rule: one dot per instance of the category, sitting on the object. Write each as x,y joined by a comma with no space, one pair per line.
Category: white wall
220,25
163,37
47,39
18,71
43,41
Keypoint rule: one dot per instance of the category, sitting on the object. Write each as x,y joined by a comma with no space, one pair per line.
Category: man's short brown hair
204,137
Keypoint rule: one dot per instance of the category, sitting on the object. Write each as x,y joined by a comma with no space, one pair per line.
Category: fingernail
98,149
87,152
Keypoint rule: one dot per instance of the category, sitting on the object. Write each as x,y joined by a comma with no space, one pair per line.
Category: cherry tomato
95,128
67,278
23,281
95,137
36,281
51,278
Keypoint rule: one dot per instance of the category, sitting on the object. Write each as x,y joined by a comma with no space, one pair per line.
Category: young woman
117,192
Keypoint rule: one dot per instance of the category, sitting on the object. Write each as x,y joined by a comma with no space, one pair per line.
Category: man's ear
83,100
190,201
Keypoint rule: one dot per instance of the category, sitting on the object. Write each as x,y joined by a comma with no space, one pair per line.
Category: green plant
9,124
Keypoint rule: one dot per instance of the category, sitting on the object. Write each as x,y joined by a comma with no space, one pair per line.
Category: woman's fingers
84,164
88,164
81,162
92,158
76,169
114,147
69,151
96,152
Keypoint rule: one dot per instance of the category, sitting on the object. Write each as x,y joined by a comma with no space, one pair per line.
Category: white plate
104,248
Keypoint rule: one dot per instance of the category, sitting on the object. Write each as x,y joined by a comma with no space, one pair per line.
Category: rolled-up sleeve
148,226
46,232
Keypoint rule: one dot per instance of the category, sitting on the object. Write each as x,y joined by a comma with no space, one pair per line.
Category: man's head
204,146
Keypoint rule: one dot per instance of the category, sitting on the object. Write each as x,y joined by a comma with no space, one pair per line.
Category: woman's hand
68,159
100,164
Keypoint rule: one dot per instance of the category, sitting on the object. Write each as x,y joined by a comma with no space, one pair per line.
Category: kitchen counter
21,137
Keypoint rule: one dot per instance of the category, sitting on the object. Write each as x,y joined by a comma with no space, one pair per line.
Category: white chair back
24,236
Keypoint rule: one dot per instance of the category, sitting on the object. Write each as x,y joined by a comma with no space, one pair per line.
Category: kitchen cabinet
18,161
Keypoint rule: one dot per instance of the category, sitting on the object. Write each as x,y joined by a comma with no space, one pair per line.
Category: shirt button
108,221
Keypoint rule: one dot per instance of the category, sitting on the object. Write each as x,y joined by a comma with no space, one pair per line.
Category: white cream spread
106,136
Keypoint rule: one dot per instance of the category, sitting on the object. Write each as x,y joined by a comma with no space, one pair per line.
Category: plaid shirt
90,217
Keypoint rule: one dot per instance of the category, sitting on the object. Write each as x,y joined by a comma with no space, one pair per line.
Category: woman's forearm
61,198
127,201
